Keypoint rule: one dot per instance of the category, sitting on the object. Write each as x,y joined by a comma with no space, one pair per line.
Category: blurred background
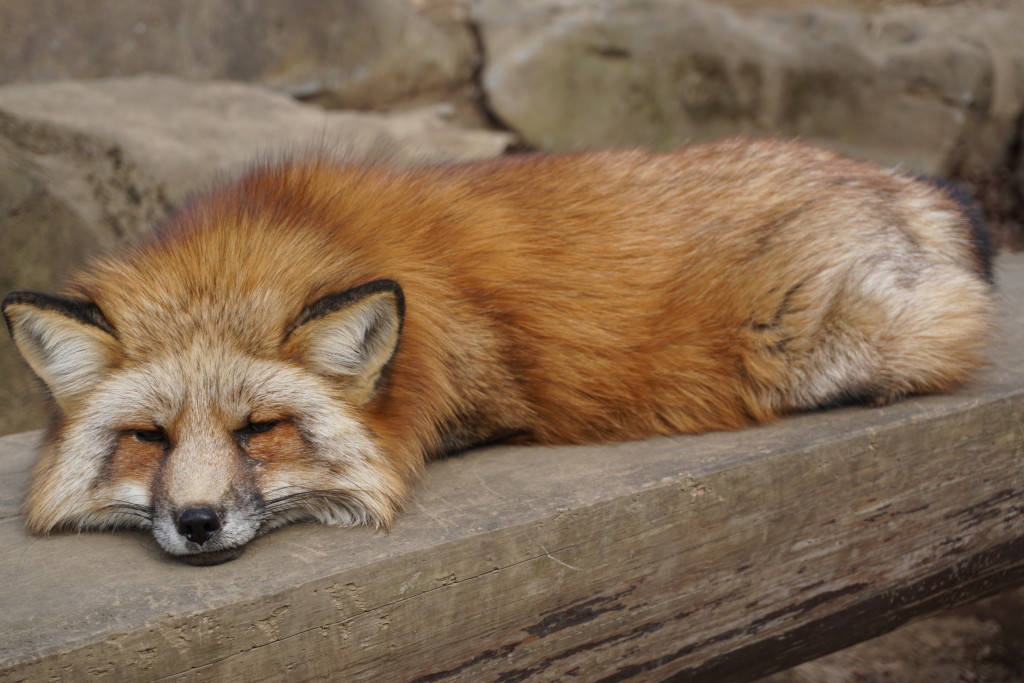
112,112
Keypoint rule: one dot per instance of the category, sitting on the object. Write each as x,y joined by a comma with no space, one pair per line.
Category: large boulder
934,90
353,53
85,166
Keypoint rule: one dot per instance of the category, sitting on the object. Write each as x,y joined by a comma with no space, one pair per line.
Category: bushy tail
981,240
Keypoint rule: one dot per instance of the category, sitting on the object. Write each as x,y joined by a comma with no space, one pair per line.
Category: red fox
298,344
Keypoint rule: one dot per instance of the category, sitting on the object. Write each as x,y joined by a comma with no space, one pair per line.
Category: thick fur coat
297,344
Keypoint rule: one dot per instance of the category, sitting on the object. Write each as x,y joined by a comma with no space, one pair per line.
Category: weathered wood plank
719,557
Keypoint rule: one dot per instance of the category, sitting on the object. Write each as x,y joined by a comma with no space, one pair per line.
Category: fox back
297,344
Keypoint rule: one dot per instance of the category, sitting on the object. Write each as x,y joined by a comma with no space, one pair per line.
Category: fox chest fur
297,345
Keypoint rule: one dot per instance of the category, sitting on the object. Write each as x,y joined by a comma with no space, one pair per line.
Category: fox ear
352,334
68,343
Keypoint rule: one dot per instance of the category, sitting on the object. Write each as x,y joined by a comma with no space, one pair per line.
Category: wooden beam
720,557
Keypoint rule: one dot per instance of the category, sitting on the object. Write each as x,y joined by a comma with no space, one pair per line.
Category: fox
298,343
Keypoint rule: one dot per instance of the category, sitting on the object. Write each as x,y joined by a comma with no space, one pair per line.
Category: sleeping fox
298,344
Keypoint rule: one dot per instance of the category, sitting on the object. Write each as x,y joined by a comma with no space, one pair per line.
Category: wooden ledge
721,557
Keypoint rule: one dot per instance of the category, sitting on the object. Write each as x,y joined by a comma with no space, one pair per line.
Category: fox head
211,439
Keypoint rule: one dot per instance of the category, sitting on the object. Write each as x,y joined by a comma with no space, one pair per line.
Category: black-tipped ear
67,343
351,334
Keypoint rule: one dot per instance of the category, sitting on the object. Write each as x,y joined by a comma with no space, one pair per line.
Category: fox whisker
129,508
328,496
127,513
318,504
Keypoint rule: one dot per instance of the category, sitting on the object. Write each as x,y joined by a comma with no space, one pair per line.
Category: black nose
198,524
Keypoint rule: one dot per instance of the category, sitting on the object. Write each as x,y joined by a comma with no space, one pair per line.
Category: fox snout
203,535
206,500
200,527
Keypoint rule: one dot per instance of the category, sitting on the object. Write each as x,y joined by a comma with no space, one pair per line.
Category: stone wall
356,53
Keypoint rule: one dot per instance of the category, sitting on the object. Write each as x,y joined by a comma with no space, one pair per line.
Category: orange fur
565,299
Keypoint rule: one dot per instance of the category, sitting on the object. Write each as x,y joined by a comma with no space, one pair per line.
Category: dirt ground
981,642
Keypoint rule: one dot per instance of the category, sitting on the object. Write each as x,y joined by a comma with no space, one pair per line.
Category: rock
85,166
119,153
923,89
354,53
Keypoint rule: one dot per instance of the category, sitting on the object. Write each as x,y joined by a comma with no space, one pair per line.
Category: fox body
297,344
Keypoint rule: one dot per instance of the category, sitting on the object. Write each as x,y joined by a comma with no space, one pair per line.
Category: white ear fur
67,343
351,335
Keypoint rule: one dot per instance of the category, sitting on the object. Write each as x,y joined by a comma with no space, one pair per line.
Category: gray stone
929,90
357,53
87,165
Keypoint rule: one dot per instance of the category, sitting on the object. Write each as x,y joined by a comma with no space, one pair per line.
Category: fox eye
258,427
150,435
